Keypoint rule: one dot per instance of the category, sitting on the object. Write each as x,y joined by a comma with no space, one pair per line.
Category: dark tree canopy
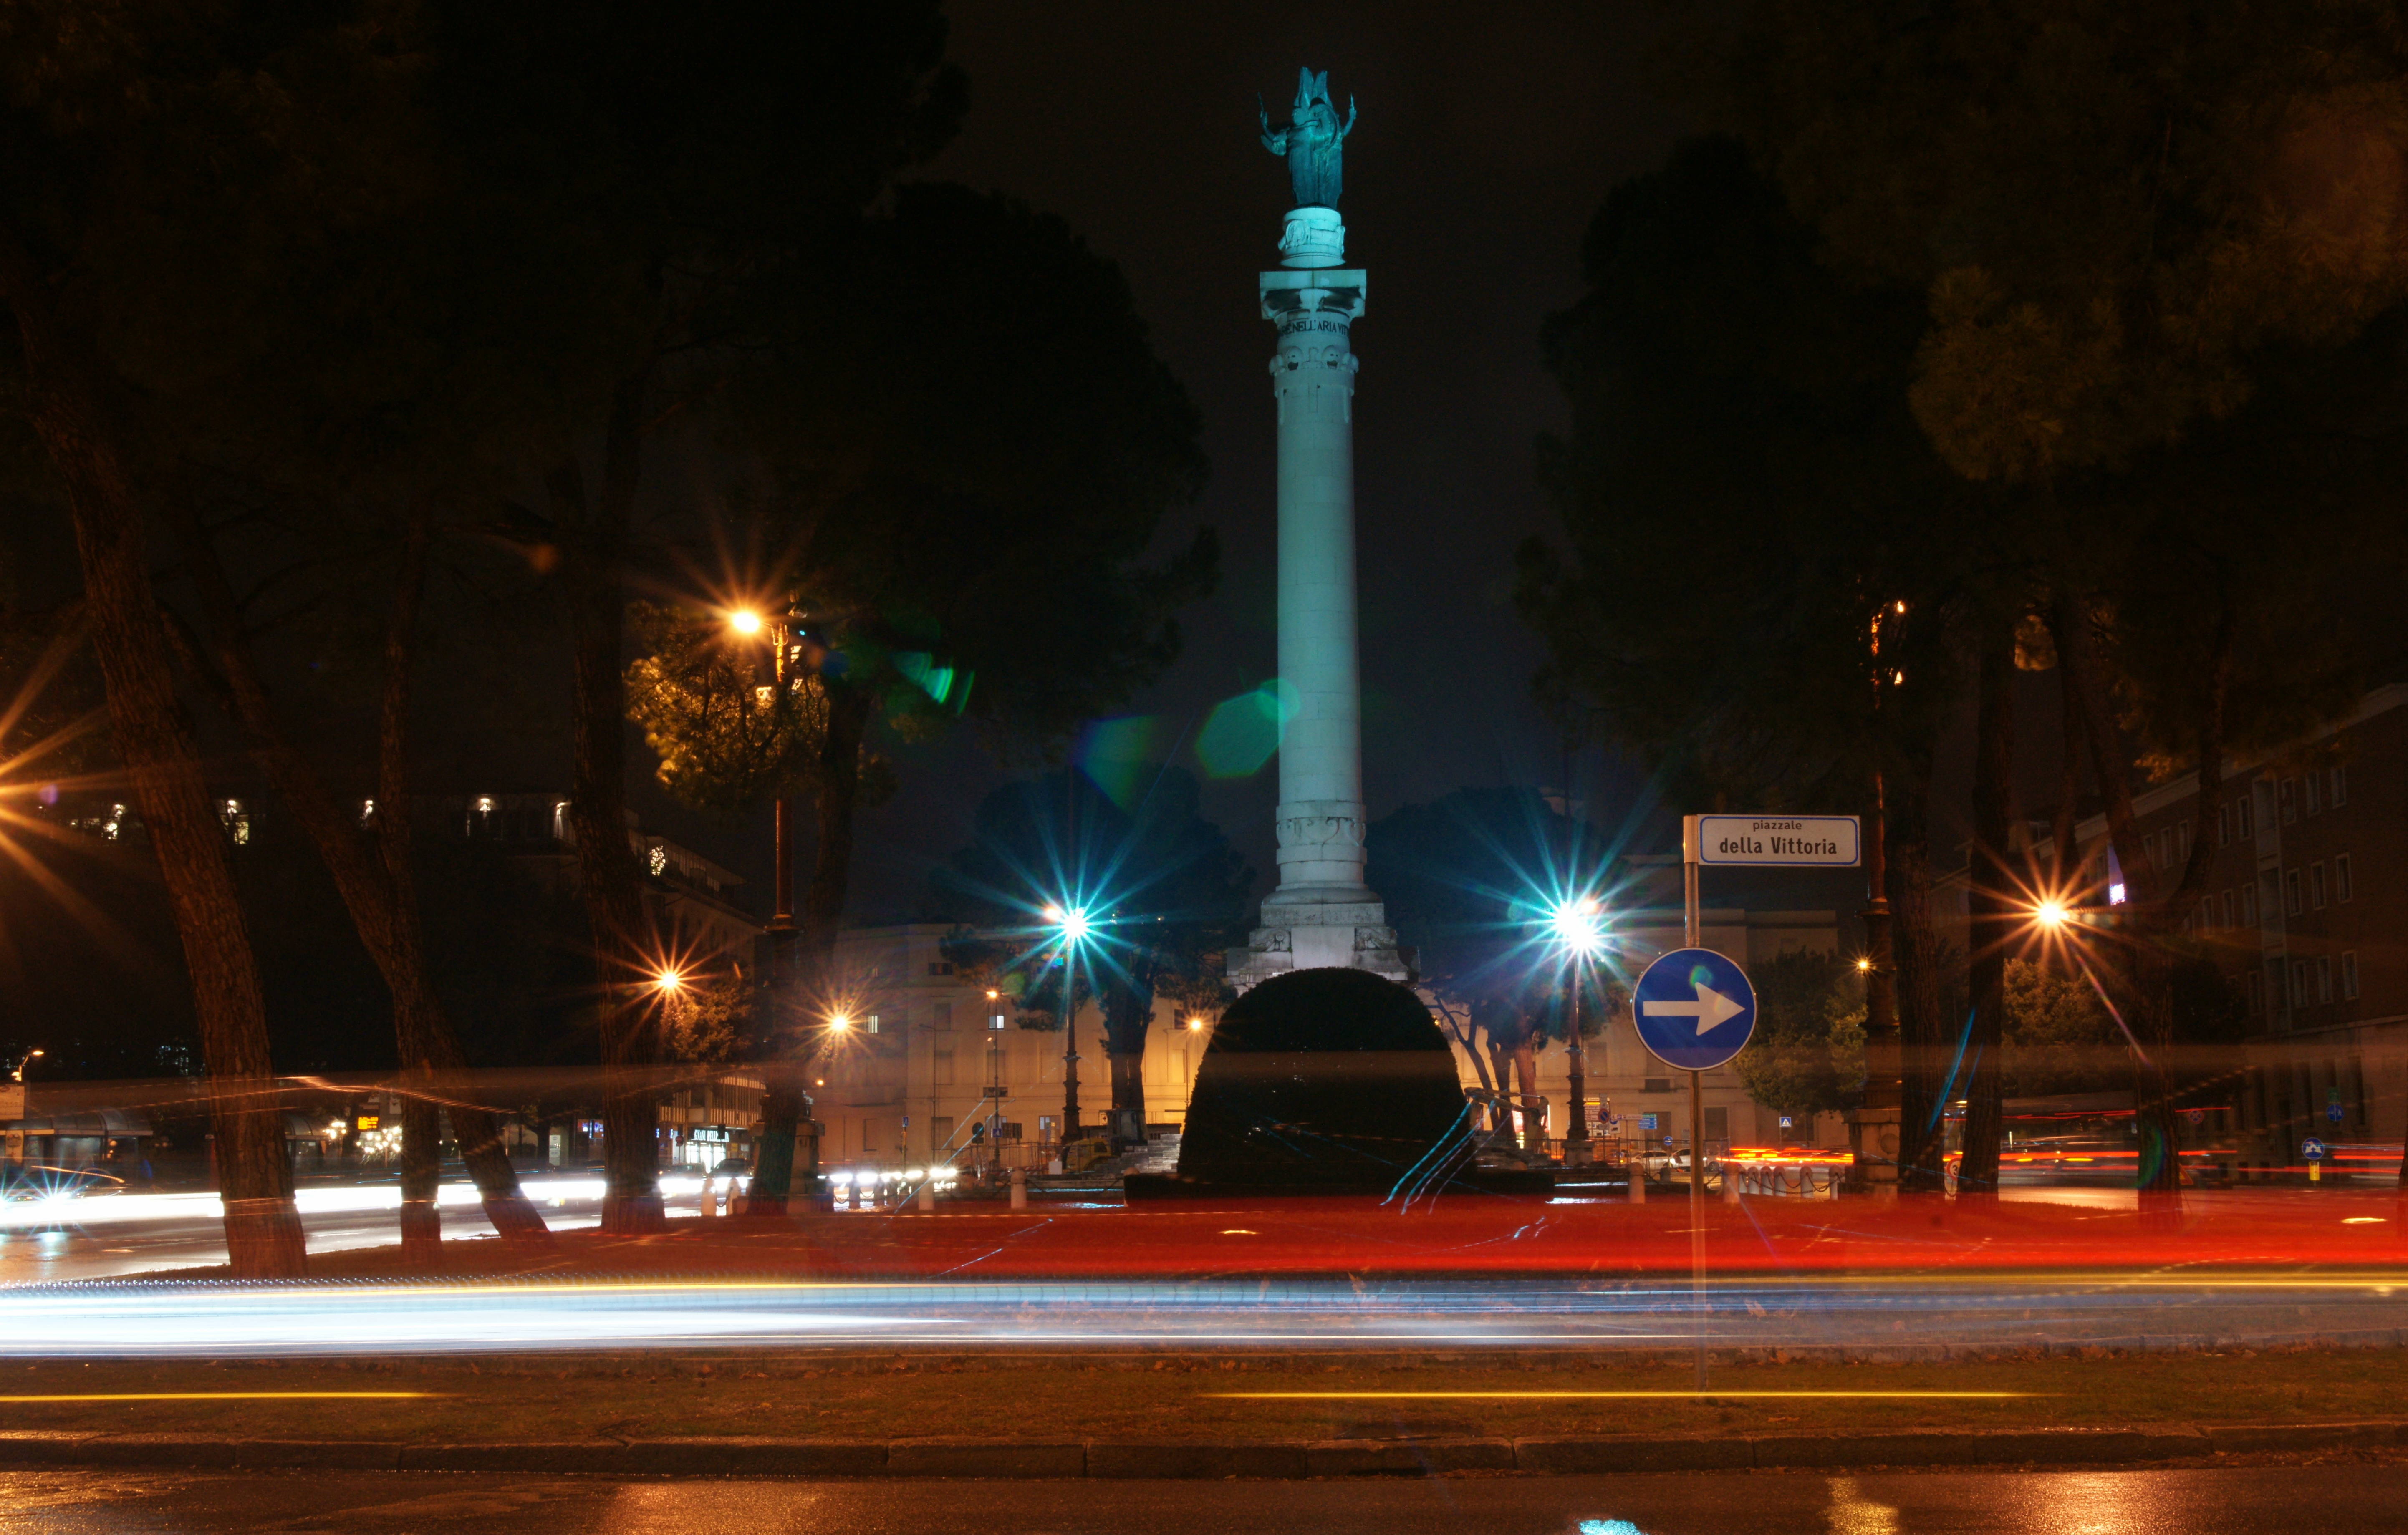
970,445
1743,488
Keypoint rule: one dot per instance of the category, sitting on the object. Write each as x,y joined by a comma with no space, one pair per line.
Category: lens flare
1579,925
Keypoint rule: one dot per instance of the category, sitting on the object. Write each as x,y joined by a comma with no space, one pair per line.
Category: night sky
1487,139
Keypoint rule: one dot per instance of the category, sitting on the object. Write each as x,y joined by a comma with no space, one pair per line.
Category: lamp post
1578,927
1070,925
773,1165
1875,1127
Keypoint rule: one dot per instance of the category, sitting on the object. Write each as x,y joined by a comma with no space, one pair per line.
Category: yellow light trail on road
1557,1395
228,1396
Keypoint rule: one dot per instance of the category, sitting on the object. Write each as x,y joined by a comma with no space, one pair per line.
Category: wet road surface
170,1319
2334,1499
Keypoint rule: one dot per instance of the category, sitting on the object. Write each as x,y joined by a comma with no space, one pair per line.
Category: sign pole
1691,937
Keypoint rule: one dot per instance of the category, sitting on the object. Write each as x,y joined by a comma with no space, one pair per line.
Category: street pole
782,1103
1576,1146
1692,937
1069,1054
1874,1128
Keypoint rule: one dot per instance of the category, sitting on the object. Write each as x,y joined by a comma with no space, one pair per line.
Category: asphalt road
168,1318
2344,1499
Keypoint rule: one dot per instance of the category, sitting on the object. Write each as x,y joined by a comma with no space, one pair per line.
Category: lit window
995,1020
2341,878
560,820
237,821
367,812
485,804
870,1025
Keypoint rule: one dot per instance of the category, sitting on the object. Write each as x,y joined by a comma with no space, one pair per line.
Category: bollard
1019,1188
1730,1183
1638,1181
927,1200
709,1199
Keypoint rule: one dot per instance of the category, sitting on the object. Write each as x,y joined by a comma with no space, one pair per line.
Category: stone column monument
1322,914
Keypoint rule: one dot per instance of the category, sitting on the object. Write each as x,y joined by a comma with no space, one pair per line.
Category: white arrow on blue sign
2313,1149
1695,1008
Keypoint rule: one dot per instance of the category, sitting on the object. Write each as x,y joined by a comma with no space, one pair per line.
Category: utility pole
1874,1128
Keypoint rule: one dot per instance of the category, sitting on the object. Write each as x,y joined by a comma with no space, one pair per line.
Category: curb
1273,1460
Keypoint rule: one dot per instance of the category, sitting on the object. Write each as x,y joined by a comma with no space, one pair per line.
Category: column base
1873,1136
1317,928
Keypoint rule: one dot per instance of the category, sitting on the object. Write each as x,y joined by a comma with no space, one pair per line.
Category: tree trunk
1915,955
808,994
421,1173
1991,910
594,537
67,399
2153,902
1500,1058
2066,848
379,897
1525,1074
423,1027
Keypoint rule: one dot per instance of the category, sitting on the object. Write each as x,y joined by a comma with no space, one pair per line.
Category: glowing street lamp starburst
744,621
1579,925
1072,923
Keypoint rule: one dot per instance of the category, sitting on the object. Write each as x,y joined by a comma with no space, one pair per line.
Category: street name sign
1695,1008
1793,841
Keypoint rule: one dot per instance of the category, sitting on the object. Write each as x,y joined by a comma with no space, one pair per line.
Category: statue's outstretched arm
1274,141
1350,117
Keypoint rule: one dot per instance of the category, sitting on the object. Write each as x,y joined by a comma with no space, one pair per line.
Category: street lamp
746,623
1071,926
22,1066
668,982
839,1023
781,1105
1579,925
2051,914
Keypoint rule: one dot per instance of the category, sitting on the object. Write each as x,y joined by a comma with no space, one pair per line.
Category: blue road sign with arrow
1695,1008
2313,1149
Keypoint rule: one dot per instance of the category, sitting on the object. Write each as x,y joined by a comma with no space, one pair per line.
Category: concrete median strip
1268,1460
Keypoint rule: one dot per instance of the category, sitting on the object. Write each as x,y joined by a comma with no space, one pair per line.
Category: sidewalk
1101,1459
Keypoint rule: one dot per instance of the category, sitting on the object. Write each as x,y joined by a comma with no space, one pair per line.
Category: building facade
2304,911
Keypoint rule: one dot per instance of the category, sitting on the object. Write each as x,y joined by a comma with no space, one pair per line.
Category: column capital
1334,292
